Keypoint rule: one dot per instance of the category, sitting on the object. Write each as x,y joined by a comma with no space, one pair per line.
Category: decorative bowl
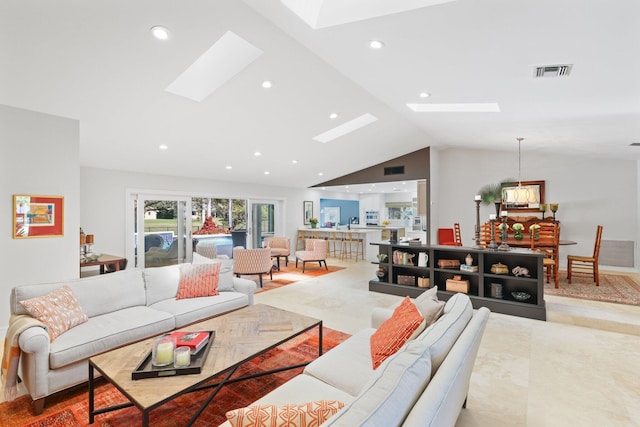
520,296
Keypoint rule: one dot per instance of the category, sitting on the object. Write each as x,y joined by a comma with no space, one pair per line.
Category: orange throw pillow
198,280
58,310
310,414
394,331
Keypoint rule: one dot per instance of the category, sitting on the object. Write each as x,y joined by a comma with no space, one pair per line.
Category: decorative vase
468,259
518,235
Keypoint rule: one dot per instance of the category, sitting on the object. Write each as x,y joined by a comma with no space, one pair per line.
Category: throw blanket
11,356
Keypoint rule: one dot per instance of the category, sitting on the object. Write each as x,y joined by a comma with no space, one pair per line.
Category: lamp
520,196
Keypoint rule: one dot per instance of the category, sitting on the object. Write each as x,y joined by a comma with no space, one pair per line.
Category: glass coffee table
240,336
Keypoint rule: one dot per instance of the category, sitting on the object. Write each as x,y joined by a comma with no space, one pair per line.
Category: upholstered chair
252,262
207,249
315,251
280,247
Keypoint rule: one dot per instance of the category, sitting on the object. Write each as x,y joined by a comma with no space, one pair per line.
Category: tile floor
581,367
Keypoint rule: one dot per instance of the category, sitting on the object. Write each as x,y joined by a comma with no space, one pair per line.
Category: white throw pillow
225,281
429,305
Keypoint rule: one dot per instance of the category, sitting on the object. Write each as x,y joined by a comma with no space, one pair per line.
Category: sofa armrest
379,315
245,286
35,346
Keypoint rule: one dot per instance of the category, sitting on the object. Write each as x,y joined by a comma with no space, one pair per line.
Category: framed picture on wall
37,216
307,209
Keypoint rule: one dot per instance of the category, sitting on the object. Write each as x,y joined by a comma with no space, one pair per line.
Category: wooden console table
103,260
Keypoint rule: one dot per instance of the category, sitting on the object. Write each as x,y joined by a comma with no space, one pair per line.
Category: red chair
446,237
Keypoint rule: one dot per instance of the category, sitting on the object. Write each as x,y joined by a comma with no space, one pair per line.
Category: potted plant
492,194
313,222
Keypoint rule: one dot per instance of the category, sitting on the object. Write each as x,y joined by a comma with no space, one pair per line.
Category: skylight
490,107
327,13
346,128
223,60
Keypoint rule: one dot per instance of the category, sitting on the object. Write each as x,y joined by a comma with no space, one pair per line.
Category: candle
504,213
90,239
164,353
478,197
182,357
492,216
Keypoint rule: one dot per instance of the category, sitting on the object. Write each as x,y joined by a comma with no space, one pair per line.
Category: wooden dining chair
457,237
547,241
587,265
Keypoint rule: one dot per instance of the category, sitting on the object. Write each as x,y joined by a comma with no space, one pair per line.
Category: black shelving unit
480,281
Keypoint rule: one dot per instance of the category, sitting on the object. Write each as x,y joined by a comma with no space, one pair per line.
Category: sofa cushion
429,306
390,394
161,283
191,310
442,334
395,331
348,366
117,290
58,310
310,414
106,332
198,280
225,281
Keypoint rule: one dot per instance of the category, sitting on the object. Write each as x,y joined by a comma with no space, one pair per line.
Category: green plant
490,193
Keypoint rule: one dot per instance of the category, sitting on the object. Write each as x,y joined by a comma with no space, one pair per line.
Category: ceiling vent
635,144
394,170
552,70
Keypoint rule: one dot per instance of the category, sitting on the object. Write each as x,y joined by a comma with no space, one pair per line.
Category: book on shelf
194,340
471,268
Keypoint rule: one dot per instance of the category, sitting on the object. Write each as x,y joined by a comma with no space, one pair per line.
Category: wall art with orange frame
37,216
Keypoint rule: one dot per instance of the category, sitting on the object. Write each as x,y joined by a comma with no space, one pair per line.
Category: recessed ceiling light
333,116
266,172
320,174
257,153
294,161
160,32
456,108
163,147
424,95
266,84
324,188
227,167
376,44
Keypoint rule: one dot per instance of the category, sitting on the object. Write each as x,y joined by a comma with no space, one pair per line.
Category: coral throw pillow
394,331
58,310
198,280
310,414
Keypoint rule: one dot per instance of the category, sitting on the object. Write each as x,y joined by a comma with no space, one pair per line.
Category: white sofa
424,384
122,307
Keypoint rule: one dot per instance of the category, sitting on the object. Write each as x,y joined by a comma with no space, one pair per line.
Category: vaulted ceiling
97,62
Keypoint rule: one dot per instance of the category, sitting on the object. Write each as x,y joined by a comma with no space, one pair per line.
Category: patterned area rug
70,408
291,274
616,288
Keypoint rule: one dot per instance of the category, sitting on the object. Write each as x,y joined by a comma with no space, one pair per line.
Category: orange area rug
70,408
291,274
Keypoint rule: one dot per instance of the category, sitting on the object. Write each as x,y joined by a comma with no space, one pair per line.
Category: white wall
103,206
590,191
39,156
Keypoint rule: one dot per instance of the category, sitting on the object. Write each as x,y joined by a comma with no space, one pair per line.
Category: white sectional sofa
424,384
122,307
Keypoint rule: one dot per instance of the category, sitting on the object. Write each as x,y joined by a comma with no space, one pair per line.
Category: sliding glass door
263,221
161,230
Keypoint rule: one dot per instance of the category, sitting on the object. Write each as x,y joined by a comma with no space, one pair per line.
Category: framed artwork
307,211
525,197
37,216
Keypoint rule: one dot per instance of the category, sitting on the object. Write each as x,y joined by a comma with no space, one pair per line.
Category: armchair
315,251
280,247
252,261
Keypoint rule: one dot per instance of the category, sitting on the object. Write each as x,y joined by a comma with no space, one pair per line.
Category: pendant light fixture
522,196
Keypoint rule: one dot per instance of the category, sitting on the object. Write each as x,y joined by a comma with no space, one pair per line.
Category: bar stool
352,242
335,240
300,239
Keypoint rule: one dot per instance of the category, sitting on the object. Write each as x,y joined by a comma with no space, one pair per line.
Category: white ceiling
96,62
